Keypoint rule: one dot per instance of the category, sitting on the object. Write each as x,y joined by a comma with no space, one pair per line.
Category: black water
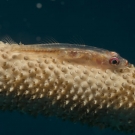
108,24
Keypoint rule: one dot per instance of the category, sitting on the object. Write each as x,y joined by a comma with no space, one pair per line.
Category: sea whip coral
78,83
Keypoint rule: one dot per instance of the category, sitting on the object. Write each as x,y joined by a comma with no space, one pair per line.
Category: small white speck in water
62,3
39,5
38,38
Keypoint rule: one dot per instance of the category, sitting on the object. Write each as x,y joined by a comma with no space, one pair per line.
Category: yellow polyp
85,102
63,69
76,79
54,60
21,87
30,64
85,71
99,84
30,86
6,65
80,91
36,90
26,58
46,84
63,92
46,71
58,97
42,66
50,93
133,81
116,84
15,70
84,85
108,82
75,97
51,67
93,87
11,89
67,102
41,95
26,92
5,56
46,61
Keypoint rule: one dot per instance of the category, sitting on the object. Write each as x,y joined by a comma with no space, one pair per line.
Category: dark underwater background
108,24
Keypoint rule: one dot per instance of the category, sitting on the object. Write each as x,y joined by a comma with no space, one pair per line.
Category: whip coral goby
74,82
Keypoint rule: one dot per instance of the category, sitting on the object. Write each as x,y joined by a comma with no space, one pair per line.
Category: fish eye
114,61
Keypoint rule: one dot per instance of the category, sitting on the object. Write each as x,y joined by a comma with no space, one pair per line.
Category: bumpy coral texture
38,82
